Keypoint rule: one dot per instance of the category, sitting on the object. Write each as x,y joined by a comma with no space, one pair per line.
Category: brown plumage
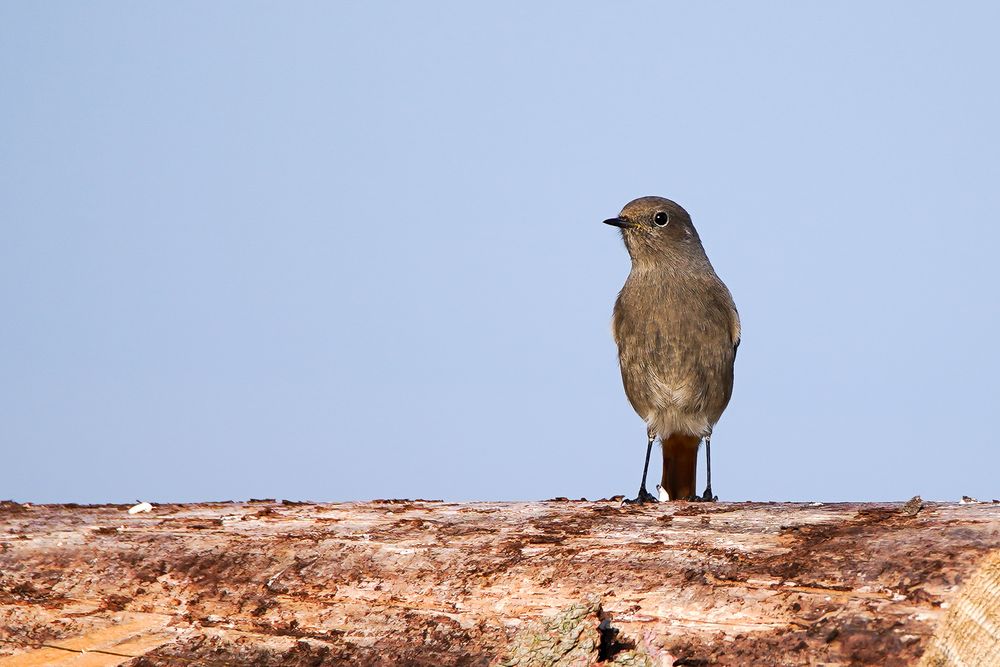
677,331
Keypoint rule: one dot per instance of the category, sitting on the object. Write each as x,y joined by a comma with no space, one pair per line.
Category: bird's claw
643,498
706,497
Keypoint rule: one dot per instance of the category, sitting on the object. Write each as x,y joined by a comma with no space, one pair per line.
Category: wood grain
430,583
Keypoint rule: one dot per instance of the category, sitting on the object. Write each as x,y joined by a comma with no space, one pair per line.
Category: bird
677,331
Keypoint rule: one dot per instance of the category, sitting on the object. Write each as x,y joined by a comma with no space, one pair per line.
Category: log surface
431,583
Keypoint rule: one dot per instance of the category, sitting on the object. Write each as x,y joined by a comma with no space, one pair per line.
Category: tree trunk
558,582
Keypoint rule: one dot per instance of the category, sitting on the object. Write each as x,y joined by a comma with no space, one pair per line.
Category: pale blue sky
340,251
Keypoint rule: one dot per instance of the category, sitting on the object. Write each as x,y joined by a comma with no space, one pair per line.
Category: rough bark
430,583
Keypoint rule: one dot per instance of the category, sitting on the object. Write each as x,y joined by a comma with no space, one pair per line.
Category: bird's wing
735,330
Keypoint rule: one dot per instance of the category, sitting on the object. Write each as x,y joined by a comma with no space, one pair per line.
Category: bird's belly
687,397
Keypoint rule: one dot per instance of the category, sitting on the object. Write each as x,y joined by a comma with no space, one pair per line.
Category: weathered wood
434,583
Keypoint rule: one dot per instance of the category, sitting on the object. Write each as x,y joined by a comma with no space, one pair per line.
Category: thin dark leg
707,496
644,495
645,467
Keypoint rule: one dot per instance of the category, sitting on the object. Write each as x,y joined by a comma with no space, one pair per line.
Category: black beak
618,222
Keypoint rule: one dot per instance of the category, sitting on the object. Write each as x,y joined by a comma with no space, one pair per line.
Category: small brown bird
677,331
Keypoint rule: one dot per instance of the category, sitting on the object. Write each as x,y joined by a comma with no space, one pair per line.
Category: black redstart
677,331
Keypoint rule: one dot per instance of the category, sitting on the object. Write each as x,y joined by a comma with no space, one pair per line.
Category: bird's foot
643,498
706,497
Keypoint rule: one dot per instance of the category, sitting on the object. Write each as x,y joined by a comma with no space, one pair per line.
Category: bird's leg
707,496
644,495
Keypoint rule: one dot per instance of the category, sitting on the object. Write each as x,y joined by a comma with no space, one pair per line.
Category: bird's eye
661,219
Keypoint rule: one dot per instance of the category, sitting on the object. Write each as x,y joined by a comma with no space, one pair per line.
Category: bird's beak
618,222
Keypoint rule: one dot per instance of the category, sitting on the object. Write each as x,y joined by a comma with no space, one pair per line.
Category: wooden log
559,582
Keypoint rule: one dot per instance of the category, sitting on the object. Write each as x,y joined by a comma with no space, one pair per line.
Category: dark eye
661,219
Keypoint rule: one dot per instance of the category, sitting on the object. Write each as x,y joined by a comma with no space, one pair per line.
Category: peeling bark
519,584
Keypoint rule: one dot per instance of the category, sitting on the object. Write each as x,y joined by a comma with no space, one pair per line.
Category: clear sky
353,250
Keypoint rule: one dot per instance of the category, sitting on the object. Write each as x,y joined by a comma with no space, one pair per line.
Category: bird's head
654,228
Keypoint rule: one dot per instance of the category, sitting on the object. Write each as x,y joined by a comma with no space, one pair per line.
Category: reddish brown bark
431,583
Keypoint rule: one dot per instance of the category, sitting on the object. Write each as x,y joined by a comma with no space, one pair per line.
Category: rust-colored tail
680,464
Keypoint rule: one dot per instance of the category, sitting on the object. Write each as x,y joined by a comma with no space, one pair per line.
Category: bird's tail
680,464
